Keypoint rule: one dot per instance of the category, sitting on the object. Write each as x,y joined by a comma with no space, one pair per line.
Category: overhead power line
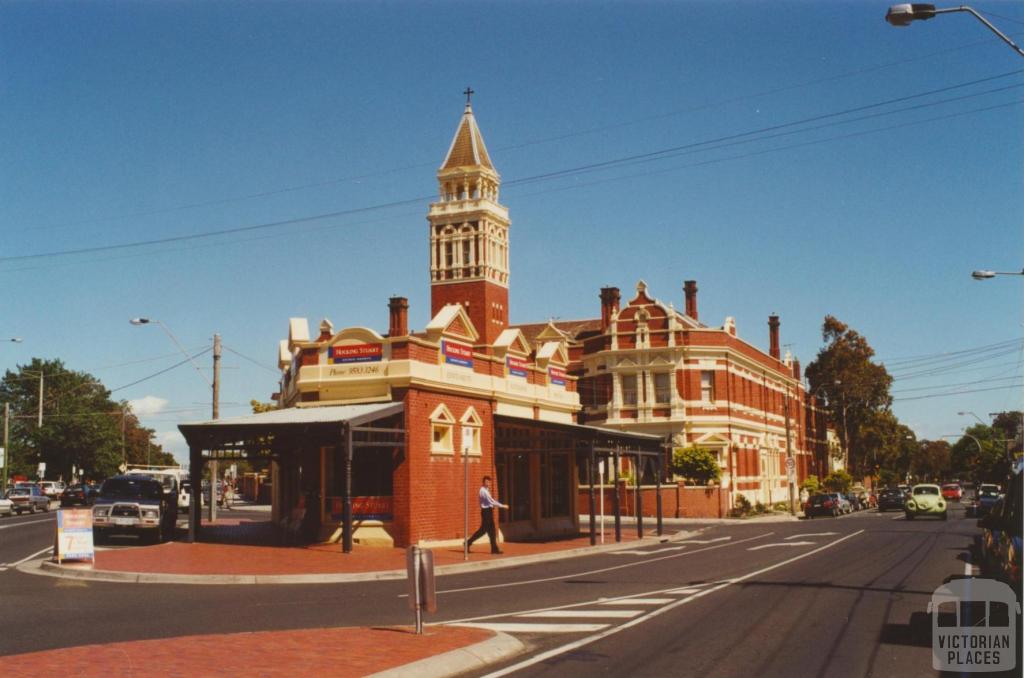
904,60
525,180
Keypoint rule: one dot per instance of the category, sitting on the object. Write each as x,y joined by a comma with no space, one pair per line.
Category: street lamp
985,275
904,14
151,321
964,414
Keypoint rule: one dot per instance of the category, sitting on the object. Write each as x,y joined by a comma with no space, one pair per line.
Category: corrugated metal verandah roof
287,422
604,439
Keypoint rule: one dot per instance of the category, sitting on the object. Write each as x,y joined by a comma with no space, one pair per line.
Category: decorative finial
469,93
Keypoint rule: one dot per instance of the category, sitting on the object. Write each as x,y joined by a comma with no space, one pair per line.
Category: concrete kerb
46,567
474,657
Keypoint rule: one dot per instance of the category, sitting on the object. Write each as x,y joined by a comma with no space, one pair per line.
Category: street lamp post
985,275
904,14
215,407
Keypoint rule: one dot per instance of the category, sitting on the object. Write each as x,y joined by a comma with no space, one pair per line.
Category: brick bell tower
469,234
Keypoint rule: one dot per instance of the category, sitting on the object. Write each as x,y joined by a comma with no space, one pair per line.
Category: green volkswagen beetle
925,500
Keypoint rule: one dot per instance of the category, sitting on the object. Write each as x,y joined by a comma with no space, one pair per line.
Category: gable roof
451,320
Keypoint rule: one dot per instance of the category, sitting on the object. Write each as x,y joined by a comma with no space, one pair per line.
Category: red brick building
471,396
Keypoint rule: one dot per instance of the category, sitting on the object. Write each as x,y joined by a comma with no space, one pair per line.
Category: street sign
790,464
41,470
2,451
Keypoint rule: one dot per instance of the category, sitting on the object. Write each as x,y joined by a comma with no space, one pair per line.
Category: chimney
773,336
398,323
796,369
690,288
609,305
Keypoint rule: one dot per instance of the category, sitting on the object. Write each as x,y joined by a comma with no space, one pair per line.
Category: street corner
345,652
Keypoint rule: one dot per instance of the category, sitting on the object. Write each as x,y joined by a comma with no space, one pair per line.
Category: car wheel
47,508
32,509
945,515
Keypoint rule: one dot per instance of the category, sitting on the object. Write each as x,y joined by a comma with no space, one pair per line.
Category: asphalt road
837,597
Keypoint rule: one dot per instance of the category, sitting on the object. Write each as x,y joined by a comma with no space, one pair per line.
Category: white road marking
584,614
28,522
704,541
648,553
512,627
544,656
28,558
899,517
637,601
813,534
782,543
685,591
597,571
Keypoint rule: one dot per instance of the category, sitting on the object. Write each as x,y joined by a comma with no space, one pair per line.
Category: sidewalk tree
851,382
695,465
989,464
811,484
931,460
81,423
838,481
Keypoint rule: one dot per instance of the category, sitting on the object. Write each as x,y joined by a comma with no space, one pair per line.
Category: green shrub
695,465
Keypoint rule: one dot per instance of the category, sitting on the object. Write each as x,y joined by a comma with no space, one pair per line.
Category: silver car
29,499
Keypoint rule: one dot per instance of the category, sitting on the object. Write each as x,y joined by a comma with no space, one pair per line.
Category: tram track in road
606,616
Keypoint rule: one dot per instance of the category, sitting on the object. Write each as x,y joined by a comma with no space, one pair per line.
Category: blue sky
826,163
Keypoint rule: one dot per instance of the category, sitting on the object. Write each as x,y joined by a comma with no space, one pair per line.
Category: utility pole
215,412
40,399
124,454
790,461
7,441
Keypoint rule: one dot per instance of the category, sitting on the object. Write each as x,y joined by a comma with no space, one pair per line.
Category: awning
314,422
602,439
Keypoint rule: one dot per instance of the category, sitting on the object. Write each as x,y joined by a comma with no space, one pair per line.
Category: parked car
51,488
1001,533
29,499
856,502
891,498
137,505
925,500
985,498
185,496
821,505
952,492
83,495
6,506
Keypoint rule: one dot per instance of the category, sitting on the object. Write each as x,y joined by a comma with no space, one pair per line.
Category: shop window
471,428
707,386
629,390
442,424
662,387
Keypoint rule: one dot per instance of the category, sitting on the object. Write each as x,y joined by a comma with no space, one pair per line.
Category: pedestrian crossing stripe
583,614
519,627
683,591
638,601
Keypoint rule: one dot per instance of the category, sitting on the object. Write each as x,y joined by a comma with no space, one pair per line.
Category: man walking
487,504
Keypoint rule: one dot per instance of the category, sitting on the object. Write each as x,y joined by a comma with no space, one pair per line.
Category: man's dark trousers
487,526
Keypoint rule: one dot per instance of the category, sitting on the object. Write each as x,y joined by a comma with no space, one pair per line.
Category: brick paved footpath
339,652
217,557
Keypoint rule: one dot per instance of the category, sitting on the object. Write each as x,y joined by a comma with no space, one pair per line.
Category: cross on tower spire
469,93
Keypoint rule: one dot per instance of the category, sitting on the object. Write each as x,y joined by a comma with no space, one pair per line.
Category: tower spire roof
467,149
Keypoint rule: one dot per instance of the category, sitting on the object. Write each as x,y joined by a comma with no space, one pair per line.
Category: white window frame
442,431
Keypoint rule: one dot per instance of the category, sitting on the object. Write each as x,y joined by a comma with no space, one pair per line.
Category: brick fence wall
677,501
